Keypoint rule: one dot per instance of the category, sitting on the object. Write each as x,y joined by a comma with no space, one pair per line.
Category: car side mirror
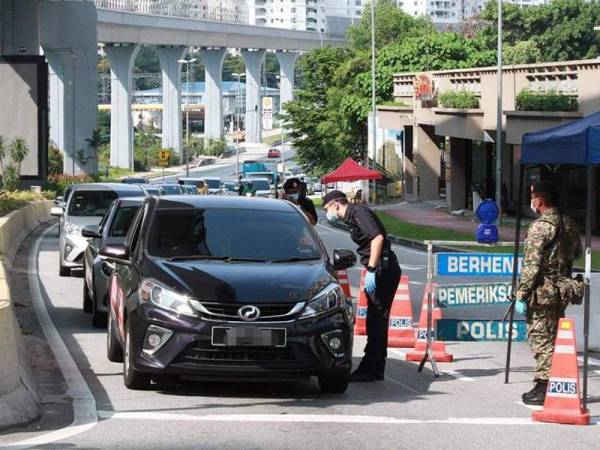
343,259
90,231
117,252
58,200
57,211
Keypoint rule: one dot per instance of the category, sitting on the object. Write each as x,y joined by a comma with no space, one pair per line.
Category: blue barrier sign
479,330
476,264
452,296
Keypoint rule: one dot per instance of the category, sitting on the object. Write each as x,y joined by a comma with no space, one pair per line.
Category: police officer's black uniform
364,227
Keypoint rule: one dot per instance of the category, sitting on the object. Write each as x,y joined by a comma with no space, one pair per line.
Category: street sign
267,104
480,330
483,294
476,264
163,158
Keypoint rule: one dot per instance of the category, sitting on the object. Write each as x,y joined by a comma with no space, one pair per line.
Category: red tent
350,170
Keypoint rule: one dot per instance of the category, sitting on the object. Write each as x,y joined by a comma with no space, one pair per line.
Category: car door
92,251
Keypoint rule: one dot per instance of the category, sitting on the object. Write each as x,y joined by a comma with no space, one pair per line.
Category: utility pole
237,115
187,63
499,116
373,100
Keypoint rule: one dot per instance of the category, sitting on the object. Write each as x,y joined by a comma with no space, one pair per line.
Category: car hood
83,221
217,281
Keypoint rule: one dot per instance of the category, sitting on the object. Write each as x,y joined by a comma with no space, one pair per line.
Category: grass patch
11,201
428,233
318,202
275,139
115,173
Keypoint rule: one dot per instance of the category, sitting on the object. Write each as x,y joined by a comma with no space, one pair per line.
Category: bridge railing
233,11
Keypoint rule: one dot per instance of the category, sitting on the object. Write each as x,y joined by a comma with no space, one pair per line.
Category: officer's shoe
537,395
362,376
380,371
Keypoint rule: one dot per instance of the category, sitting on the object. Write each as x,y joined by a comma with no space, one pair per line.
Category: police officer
240,186
552,244
293,192
381,281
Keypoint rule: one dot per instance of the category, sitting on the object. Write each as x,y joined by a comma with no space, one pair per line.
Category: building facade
451,153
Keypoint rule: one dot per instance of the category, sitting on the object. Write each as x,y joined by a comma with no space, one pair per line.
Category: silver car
86,205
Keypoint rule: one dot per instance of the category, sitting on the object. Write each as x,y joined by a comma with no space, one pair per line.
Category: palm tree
95,142
18,151
2,153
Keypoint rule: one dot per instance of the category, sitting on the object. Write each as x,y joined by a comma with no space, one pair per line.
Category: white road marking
84,403
312,418
401,355
458,375
597,372
532,407
399,383
418,283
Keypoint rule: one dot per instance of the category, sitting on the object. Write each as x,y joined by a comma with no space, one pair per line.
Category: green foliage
458,100
10,177
17,150
55,160
11,201
545,101
57,183
524,52
215,147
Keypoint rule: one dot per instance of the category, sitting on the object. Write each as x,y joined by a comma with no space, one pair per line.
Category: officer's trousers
378,314
542,326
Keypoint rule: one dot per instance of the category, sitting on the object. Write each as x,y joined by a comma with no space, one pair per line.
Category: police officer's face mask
331,214
293,197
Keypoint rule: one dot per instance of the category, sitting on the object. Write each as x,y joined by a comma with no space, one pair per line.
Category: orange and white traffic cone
437,347
360,326
563,399
401,332
342,277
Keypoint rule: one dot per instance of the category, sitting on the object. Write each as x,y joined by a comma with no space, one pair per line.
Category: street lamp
187,63
237,125
499,115
373,101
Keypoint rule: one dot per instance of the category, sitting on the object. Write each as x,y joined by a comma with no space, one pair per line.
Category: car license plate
248,337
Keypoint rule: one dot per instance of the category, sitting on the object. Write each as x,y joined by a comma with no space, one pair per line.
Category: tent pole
515,271
588,271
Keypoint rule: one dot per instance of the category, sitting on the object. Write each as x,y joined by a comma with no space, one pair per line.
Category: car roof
117,187
213,201
130,201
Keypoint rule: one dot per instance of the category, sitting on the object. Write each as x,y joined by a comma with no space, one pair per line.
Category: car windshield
122,220
90,203
216,233
230,187
170,189
213,184
261,185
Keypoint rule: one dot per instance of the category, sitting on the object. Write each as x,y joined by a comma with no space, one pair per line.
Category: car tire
88,303
64,271
114,350
99,318
132,378
334,384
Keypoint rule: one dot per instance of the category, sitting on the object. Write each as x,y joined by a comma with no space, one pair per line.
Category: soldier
552,244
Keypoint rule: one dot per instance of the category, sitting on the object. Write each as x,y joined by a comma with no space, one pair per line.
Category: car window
213,184
90,203
170,189
122,221
102,223
216,232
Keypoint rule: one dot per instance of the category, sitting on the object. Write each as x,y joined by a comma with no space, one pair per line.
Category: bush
10,201
57,183
458,100
55,160
545,101
215,147
10,178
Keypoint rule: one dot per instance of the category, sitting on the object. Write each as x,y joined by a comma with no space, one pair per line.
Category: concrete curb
19,401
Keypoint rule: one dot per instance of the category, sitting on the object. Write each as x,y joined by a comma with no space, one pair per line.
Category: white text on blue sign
472,294
476,264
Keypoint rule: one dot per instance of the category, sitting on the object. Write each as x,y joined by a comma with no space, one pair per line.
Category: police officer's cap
333,195
291,183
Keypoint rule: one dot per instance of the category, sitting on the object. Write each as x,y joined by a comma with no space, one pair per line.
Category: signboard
423,87
453,296
267,105
163,158
480,330
476,264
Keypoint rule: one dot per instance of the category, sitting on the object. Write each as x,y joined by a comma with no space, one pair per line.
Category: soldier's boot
537,395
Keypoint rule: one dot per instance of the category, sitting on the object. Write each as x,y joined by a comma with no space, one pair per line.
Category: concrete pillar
427,158
287,63
456,188
121,125
19,27
171,95
213,112
253,60
69,40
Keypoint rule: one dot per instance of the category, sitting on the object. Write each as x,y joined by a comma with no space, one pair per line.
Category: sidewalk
434,215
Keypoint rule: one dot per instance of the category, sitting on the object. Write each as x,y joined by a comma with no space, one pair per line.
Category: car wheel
99,318
114,350
334,384
64,271
132,378
88,304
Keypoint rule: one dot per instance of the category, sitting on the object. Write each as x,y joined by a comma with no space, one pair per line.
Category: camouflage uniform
546,257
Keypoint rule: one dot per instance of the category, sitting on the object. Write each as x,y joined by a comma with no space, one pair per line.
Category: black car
97,272
227,287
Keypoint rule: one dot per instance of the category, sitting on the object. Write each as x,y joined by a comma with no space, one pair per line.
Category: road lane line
85,415
532,407
458,375
313,418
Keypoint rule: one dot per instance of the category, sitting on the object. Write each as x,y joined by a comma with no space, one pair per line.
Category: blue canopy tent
573,144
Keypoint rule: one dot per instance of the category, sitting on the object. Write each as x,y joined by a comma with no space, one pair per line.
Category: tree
391,25
18,149
524,52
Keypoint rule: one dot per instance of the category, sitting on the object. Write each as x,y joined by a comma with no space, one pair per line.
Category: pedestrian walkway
435,214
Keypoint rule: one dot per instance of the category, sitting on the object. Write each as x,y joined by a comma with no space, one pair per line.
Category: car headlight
328,299
72,229
152,291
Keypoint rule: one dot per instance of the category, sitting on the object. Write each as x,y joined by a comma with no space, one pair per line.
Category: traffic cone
437,347
401,332
342,277
563,399
360,326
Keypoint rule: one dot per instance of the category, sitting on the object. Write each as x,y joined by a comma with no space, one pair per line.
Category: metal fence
233,11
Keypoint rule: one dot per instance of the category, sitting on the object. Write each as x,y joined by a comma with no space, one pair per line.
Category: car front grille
268,311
